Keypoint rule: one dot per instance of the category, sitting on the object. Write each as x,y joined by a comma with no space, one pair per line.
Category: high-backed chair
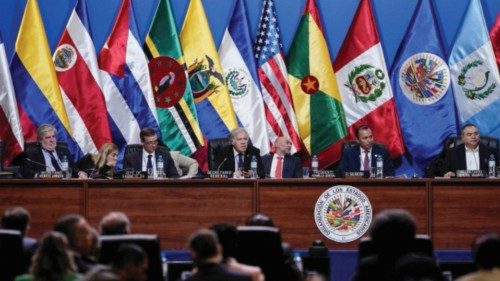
485,140
12,262
215,148
261,246
133,148
148,242
422,246
30,146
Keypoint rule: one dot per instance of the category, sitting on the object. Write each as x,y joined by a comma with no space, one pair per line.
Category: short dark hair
66,225
467,125
115,223
392,232
204,243
16,218
147,132
487,251
361,128
259,219
128,254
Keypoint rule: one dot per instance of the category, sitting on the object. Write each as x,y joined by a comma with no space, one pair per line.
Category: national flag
125,80
11,132
364,82
495,38
474,73
35,81
273,74
420,79
213,104
314,89
173,96
78,75
240,73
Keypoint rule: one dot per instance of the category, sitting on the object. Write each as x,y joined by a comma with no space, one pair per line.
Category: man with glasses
471,155
147,159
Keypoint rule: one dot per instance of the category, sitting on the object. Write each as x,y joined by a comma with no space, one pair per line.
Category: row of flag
190,92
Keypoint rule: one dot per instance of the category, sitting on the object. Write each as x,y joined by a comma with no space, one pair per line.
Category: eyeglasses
153,142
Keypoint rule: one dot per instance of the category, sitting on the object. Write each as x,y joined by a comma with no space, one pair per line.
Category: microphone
220,165
35,162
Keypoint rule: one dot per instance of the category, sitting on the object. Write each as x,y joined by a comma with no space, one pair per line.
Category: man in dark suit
281,164
47,156
471,155
207,256
362,156
146,160
237,156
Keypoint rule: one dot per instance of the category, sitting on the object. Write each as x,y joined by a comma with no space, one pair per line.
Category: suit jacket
187,167
292,168
350,161
215,272
455,158
226,160
134,161
29,169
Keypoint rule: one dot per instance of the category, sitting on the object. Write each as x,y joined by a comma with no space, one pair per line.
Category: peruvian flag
78,75
364,83
495,38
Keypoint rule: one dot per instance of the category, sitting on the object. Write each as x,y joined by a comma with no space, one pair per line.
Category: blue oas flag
474,73
421,81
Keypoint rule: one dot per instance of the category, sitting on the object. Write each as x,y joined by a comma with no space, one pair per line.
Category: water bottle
314,165
253,167
65,167
379,173
159,167
164,265
492,166
297,259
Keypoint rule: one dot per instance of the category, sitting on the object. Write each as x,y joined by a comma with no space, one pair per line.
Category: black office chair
12,261
148,242
261,246
133,148
215,150
422,246
485,140
30,146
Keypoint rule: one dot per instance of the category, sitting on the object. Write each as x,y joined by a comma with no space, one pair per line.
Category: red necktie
366,162
279,167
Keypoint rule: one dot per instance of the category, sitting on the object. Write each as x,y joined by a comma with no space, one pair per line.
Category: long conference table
452,211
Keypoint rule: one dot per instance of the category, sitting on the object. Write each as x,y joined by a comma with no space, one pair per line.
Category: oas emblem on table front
343,213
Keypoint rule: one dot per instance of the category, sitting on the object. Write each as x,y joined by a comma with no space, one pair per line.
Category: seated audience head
78,232
365,137
130,263
283,145
52,259
46,136
16,218
239,139
205,247
470,136
115,223
486,251
108,155
259,219
227,235
149,139
100,273
392,232
411,267
314,276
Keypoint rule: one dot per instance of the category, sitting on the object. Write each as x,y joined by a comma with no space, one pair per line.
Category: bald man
281,164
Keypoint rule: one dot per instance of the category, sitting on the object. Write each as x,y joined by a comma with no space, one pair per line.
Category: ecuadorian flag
35,81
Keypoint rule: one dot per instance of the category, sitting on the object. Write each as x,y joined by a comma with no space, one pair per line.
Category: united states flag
273,78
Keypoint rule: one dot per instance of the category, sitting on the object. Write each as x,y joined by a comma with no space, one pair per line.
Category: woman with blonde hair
99,165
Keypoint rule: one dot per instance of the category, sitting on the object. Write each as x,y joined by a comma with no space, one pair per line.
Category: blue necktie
240,161
149,165
54,161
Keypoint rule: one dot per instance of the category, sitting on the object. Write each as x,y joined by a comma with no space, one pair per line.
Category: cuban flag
474,73
125,80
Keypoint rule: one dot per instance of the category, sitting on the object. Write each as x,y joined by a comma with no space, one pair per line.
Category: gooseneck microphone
220,165
35,162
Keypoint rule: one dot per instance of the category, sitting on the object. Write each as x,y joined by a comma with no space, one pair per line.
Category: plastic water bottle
65,167
164,265
297,259
379,174
159,167
314,165
253,167
492,167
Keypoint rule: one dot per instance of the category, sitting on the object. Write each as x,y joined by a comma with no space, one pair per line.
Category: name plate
47,175
135,175
220,174
360,174
324,174
470,174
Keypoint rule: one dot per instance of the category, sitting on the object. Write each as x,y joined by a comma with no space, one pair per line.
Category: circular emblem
343,213
309,84
366,82
424,78
238,82
474,81
64,57
168,79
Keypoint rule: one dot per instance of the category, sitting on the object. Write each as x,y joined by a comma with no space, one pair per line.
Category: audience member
486,252
79,234
146,159
100,273
18,218
413,267
47,156
130,263
115,223
314,276
471,155
187,167
52,261
98,165
259,219
207,256
237,156
281,164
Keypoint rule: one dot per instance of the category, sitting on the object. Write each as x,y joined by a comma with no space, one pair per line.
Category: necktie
366,162
279,167
149,165
240,161
54,161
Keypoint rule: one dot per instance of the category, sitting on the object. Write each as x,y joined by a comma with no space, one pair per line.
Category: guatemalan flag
125,80
78,75
240,74
474,73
